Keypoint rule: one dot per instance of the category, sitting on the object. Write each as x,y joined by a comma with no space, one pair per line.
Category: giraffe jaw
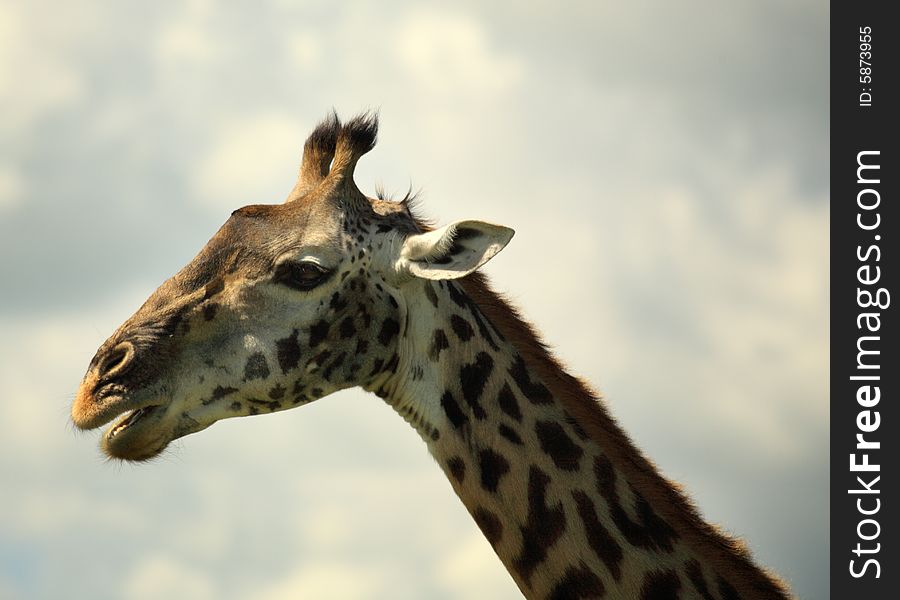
139,434
143,433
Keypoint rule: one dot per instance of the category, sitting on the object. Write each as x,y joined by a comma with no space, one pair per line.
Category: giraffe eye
304,275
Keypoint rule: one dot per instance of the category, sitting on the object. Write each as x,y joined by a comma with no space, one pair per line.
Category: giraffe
331,289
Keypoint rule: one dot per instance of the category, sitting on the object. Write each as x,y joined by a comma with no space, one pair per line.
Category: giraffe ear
454,250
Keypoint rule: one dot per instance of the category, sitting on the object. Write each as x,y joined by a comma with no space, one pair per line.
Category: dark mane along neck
725,556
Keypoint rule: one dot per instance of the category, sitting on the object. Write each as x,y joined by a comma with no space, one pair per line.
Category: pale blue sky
664,165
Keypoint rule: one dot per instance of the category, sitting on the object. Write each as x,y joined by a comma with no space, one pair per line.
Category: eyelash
303,275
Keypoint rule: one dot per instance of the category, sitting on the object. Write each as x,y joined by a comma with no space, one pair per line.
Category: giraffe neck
568,504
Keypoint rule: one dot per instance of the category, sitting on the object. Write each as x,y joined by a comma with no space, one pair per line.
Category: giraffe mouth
137,435
130,419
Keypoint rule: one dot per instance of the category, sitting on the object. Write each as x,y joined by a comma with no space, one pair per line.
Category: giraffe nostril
117,361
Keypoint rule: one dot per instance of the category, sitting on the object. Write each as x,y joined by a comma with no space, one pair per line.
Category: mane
727,555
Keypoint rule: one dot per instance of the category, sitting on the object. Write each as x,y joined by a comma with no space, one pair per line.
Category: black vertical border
854,129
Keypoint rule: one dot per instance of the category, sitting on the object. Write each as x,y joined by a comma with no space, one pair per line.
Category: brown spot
508,403
604,545
320,358
510,434
482,328
430,294
462,328
271,405
392,363
347,328
661,585
473,377
578,583
218,393
493,468
209,310
536,392
389,328
727,590
694,572
489,524
317,333
335,364
649,531
439,342
288,352
458,297
565,453
337,303
457,468
377,366
543,528
453,411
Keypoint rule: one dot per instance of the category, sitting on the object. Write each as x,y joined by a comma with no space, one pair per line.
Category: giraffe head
285,304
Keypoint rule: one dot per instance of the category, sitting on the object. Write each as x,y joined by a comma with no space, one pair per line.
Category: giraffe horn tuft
318,152
356,137
330,156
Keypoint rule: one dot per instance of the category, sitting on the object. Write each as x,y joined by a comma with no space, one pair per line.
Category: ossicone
331,152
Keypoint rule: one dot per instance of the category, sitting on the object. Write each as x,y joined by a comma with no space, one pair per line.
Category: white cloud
185,42
451,53
328,581
10,24
253,160
48,511
6,589
189,40
36,78
305,48
329,528
165,577
12,187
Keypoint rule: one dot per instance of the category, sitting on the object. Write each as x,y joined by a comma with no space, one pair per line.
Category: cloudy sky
664,165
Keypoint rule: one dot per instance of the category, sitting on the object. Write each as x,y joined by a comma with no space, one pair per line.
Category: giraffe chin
138,435
144,433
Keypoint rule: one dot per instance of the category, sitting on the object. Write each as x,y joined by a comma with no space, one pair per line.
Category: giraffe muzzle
138,430
106,393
